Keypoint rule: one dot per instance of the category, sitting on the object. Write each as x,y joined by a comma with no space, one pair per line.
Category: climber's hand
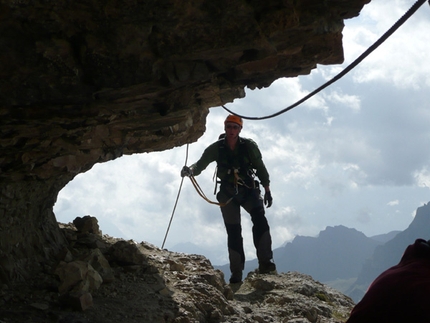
268,199
186,171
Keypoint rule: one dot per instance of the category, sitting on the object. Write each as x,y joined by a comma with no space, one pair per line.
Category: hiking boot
236,278
266,267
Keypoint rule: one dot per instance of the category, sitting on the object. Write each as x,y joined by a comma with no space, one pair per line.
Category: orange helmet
234,119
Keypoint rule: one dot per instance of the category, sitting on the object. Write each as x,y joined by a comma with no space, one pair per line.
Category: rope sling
237,181
202,194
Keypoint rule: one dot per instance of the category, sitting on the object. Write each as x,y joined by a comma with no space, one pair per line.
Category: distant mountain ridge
336,253
385,237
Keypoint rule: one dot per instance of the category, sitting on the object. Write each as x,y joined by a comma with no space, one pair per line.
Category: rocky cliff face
83,82
100,279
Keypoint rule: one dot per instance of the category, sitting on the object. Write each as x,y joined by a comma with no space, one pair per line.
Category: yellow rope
202,194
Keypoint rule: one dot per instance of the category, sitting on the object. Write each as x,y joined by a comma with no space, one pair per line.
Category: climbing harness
239,181
383,38
236,182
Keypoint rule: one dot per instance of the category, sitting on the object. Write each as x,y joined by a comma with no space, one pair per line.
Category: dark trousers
250,199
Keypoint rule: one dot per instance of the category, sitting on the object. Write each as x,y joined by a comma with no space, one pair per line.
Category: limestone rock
100,264
126,253
87,224
77,276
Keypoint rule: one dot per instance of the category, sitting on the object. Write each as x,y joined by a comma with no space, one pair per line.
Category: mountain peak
421,220
340,232
337,252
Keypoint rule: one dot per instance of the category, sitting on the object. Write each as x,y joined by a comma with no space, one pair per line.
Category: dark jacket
245,156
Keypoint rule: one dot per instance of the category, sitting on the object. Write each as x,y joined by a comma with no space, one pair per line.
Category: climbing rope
176,202
199,191
202,194
237,181
383,38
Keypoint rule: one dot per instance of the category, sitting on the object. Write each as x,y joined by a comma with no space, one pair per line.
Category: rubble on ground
104,279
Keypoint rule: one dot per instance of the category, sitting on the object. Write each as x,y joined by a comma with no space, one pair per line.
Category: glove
186,171
268,199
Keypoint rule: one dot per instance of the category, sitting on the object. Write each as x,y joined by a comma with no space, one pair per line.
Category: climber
237,158
401,293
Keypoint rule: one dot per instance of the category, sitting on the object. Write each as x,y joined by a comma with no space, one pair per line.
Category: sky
356,154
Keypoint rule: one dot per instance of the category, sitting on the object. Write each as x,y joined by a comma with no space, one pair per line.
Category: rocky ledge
100,279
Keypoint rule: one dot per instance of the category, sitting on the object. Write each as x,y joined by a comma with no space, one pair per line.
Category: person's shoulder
248,141
220,143
216,145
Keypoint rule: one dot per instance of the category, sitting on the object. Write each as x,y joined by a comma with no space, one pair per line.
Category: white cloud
392,203
345,100
422,177
400,60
